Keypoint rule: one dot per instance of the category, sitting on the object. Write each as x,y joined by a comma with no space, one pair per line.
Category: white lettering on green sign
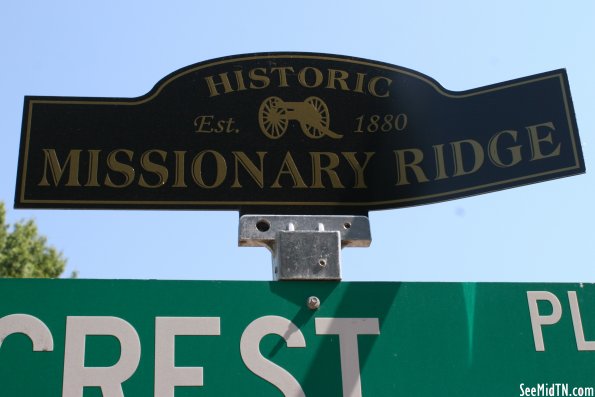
77,376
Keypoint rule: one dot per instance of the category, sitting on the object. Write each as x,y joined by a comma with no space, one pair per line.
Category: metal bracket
305,247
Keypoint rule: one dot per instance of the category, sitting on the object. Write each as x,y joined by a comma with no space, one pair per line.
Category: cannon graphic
274,115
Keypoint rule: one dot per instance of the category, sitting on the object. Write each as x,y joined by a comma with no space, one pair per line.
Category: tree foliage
24,253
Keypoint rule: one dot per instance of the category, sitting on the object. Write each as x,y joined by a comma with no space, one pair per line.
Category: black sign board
295,133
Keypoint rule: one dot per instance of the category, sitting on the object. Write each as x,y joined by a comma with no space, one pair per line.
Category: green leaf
24,253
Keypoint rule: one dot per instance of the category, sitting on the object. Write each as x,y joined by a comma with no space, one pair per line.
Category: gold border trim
393,68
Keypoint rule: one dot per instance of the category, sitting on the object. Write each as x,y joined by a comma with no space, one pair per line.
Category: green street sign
92,338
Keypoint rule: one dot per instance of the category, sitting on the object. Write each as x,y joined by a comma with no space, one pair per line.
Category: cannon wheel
272,117
321,108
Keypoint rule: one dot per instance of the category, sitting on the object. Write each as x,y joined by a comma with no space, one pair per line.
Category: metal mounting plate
305,247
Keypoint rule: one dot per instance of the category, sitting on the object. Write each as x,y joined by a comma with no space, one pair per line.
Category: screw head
313,303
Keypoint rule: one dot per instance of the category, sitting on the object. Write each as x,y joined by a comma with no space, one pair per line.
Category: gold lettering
262,78
203,124
308,77
180,180
213,85
536,140
440,166
282,74
51,160
158,169
317,77
359,84
288,167
402,166
92,181
255,172
126,170
357,168
458,156
329,169
372,86
240,80
494,154
337,76
221,169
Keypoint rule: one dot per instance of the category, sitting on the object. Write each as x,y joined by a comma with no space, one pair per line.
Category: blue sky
542,232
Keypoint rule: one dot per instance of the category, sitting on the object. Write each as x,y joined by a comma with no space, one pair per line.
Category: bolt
322,263
313,303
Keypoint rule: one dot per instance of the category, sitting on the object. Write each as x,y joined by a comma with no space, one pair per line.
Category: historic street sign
295,133
204,338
